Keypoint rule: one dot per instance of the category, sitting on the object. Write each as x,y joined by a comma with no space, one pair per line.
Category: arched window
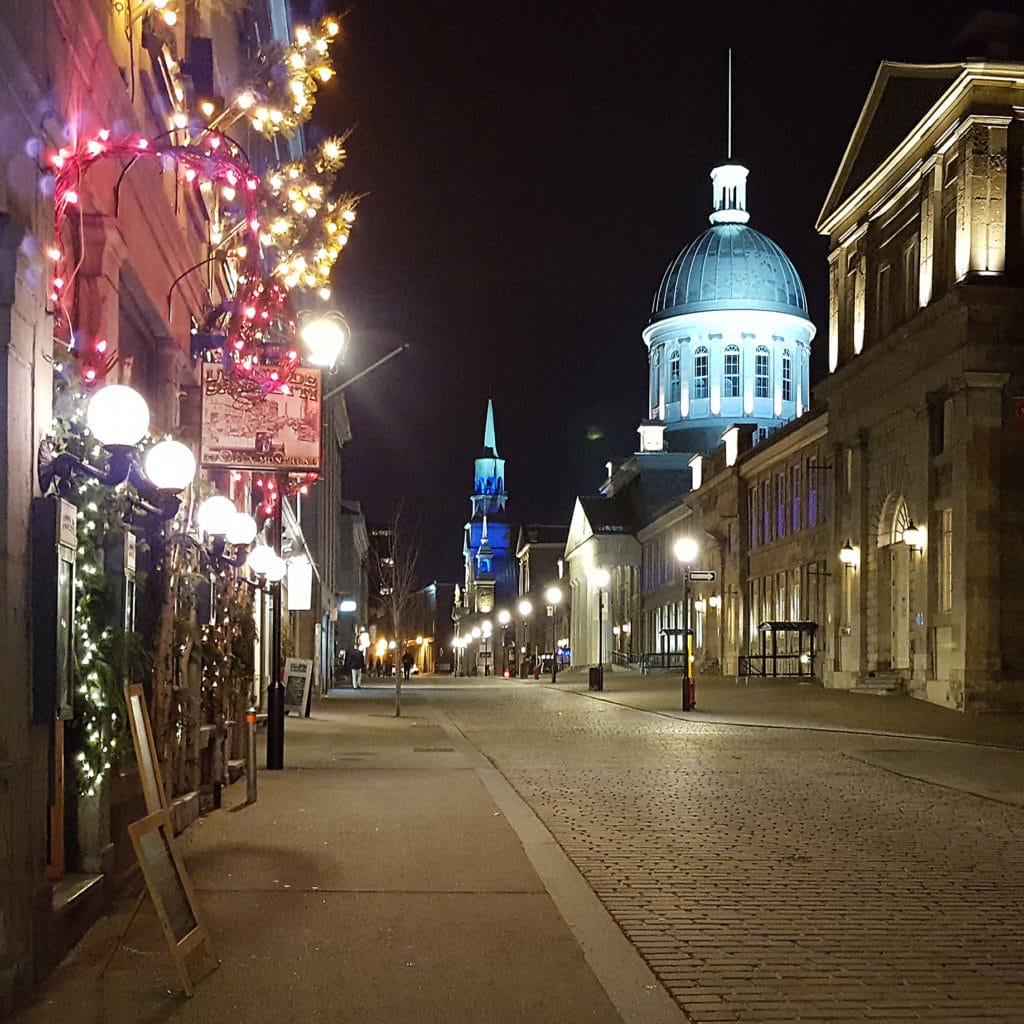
700,373
731,372
762,373
787,377
655,381
673,377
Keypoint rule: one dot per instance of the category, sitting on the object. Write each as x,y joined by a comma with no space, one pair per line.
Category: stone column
26,344
978,411
981,197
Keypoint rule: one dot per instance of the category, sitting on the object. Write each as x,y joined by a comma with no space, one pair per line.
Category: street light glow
525,608
553,595
600,578
685,549
324,337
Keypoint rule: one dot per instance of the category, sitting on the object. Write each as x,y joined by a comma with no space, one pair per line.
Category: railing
624,659
660,661
775,665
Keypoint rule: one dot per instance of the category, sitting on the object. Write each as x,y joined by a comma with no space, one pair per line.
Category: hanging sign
280,431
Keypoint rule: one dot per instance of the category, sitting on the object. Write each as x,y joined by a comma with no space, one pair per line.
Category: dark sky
530,170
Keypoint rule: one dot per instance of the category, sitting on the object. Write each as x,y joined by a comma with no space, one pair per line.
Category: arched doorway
893,586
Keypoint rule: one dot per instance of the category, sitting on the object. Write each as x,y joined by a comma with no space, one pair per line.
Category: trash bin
597,677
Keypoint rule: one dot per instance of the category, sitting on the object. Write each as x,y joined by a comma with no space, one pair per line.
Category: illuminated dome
730,266
729,339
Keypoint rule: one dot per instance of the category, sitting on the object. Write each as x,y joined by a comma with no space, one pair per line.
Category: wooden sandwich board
153,840
170,891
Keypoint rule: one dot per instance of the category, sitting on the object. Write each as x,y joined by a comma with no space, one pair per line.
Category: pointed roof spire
489,441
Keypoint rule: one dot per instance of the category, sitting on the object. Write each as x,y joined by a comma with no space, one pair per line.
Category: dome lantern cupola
729,184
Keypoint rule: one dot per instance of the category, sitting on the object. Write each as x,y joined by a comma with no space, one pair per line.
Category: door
899,618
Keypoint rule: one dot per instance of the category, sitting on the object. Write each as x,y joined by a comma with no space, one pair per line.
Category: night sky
529,171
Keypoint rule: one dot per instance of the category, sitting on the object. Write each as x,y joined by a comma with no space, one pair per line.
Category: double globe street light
118,417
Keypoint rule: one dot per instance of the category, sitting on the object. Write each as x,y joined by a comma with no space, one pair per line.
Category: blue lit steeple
489,484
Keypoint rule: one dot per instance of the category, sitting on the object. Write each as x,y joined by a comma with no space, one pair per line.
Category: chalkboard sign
145,749
170,891
298,673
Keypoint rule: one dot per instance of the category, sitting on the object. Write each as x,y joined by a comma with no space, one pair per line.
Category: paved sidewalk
377,879
785,703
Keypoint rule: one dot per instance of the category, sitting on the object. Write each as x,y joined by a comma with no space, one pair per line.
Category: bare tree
394,563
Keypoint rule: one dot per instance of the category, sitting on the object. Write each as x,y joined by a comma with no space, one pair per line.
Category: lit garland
304,229
281,91
216,160
102,654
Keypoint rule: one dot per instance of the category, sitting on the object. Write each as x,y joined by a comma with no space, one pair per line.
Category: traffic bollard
250,758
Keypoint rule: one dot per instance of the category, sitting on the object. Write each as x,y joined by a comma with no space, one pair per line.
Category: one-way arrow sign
702,575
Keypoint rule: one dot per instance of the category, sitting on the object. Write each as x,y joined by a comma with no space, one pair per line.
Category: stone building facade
888,515
926,328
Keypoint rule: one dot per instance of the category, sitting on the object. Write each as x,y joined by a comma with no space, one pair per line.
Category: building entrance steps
388,874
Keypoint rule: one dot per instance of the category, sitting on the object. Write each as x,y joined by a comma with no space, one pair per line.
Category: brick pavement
774,875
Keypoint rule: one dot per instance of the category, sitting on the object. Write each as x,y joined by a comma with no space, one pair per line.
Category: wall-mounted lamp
266,562
914,538
849,555
715,601
228,532
118,417
700,605
324,335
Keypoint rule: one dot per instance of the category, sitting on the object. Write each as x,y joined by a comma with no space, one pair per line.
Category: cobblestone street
775,874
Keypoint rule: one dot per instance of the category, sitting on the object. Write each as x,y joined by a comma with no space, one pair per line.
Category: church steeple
489,477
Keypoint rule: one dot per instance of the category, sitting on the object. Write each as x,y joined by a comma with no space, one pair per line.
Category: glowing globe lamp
241,530
525,608
170,465
553,595
215,515
117,415
324,337
685,549
600,578
276,570
261,558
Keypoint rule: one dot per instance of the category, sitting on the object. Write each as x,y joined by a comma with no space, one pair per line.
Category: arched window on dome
674,385
655,381
787,376
762,372
700,373
731,372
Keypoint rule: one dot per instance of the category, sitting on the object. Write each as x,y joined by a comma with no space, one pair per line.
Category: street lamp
553,596
600,579
504,618
525,610
118,417
324,336
686,550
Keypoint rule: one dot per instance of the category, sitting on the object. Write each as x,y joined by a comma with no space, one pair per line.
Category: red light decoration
259,322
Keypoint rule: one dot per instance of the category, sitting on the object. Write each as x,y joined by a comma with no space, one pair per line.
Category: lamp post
686,550
553,596
599,578
525,610
504,618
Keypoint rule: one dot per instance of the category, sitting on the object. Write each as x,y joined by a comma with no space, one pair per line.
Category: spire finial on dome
729,182
489,440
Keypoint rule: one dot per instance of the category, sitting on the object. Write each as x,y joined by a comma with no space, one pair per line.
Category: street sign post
702,575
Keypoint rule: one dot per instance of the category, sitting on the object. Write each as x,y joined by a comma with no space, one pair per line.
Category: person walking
407,660
356,663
